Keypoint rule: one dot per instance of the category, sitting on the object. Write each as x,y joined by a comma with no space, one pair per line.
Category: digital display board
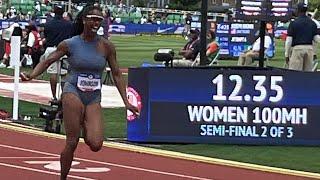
236,37
225,105
264,10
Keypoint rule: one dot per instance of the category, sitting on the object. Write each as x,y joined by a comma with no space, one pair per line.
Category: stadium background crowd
32,10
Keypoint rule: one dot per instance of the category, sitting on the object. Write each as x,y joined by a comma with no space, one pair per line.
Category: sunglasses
95,17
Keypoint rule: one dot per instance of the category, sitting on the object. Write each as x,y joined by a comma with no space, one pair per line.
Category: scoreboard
235,37
235,105
264,10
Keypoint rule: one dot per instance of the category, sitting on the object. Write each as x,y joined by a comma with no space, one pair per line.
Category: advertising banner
225,105
132,28
122,28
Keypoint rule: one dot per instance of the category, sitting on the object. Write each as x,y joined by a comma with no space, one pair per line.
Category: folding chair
315,65
213,59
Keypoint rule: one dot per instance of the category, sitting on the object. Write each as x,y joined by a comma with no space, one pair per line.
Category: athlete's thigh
73,111
93,123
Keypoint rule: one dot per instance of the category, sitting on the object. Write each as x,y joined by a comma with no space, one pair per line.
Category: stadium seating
28,6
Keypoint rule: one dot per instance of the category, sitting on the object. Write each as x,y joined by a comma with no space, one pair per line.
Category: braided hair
78,22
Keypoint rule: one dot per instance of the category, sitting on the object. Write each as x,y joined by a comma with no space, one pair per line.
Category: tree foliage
184,4
139,3
314,4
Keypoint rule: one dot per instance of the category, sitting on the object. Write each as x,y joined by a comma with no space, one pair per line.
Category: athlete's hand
25,77
133,109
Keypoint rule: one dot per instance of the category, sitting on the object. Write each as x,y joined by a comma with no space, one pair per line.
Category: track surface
29,156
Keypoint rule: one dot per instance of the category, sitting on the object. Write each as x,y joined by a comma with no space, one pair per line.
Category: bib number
88,83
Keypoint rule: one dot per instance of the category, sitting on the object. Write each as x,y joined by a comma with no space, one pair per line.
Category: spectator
34,44
187,24
37,8
106,23
212,49
24,48
213,46
246,58
190,51
143,20
6,35
302,32
55,31
67,16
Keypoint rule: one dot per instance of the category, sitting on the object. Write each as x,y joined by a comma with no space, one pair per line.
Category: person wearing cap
190,51
302,32
55,31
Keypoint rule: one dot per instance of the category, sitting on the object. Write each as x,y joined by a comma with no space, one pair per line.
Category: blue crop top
84,59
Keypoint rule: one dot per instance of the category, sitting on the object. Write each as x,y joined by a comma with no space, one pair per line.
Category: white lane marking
55,165
23,157
110,164
41,171
29,150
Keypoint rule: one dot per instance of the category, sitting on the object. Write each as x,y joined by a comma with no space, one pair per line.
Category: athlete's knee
95,146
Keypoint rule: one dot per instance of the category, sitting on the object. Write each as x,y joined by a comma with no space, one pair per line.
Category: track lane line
29,157
42,171
110,164
172,154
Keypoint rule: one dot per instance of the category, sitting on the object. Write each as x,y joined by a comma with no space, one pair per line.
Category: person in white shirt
143,20
245,58
34,43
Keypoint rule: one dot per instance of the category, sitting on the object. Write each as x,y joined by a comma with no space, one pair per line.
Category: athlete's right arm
61,50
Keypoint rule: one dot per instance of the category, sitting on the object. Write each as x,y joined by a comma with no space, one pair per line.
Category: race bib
88,82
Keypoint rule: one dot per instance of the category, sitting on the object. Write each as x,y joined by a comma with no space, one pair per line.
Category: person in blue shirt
302,33
55,31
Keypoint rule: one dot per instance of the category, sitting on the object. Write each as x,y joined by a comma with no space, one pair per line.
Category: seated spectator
246,58
212,49
190,51
213,46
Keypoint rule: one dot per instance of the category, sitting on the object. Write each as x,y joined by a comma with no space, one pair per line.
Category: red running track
29,156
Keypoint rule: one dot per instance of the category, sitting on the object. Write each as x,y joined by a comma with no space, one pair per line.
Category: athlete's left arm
117,75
